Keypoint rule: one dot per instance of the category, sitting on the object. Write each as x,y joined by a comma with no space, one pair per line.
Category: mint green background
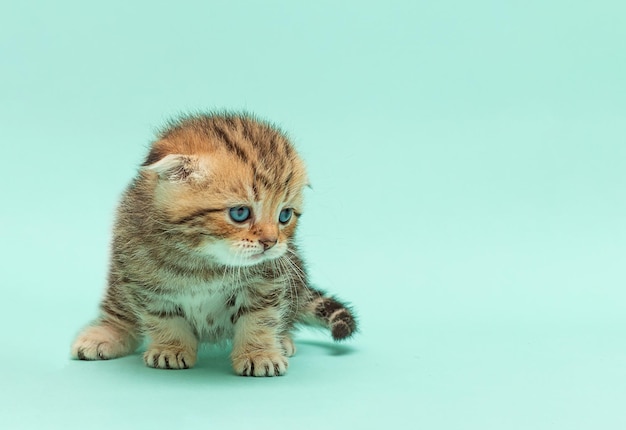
467,161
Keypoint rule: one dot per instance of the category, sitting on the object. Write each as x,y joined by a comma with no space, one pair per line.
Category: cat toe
102,343
90,350
169,358
261,364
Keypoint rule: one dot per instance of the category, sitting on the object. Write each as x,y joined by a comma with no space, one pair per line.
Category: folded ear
174,167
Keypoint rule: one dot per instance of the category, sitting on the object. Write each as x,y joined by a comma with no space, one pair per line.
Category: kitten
203,251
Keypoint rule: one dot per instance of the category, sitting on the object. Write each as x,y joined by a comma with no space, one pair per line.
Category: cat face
251,233
236,203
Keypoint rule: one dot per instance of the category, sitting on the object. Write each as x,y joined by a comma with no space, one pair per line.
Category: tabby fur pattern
184,271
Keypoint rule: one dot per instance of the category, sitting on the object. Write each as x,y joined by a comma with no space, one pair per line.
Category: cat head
230,185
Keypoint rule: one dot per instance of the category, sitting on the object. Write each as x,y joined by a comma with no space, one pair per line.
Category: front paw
169,357
260,363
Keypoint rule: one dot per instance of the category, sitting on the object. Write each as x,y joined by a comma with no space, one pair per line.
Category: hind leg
287,345
116,332
104,340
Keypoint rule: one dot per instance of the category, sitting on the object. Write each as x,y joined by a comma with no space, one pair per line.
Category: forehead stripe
264,179
231,145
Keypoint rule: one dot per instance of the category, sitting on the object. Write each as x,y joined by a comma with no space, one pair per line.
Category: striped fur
183,272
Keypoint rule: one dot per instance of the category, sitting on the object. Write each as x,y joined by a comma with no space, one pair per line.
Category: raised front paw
260,363
169,357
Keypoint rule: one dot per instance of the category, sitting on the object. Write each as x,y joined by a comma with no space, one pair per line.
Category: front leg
257,349
174,345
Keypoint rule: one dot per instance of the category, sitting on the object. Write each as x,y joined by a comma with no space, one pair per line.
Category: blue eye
285,215
239,213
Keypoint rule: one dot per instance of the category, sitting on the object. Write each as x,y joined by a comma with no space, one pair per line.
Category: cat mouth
250,259
262,256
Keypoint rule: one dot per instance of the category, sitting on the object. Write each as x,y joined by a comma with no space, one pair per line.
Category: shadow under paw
332,348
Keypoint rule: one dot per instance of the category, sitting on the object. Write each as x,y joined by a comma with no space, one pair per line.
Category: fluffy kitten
203,251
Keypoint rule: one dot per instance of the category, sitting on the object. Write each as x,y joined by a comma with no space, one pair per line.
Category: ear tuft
174,167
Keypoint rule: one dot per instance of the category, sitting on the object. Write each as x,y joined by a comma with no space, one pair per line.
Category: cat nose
268,242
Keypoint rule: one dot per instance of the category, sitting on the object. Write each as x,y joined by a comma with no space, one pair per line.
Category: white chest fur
208,309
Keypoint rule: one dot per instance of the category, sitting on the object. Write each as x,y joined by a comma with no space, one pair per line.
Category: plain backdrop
467,161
